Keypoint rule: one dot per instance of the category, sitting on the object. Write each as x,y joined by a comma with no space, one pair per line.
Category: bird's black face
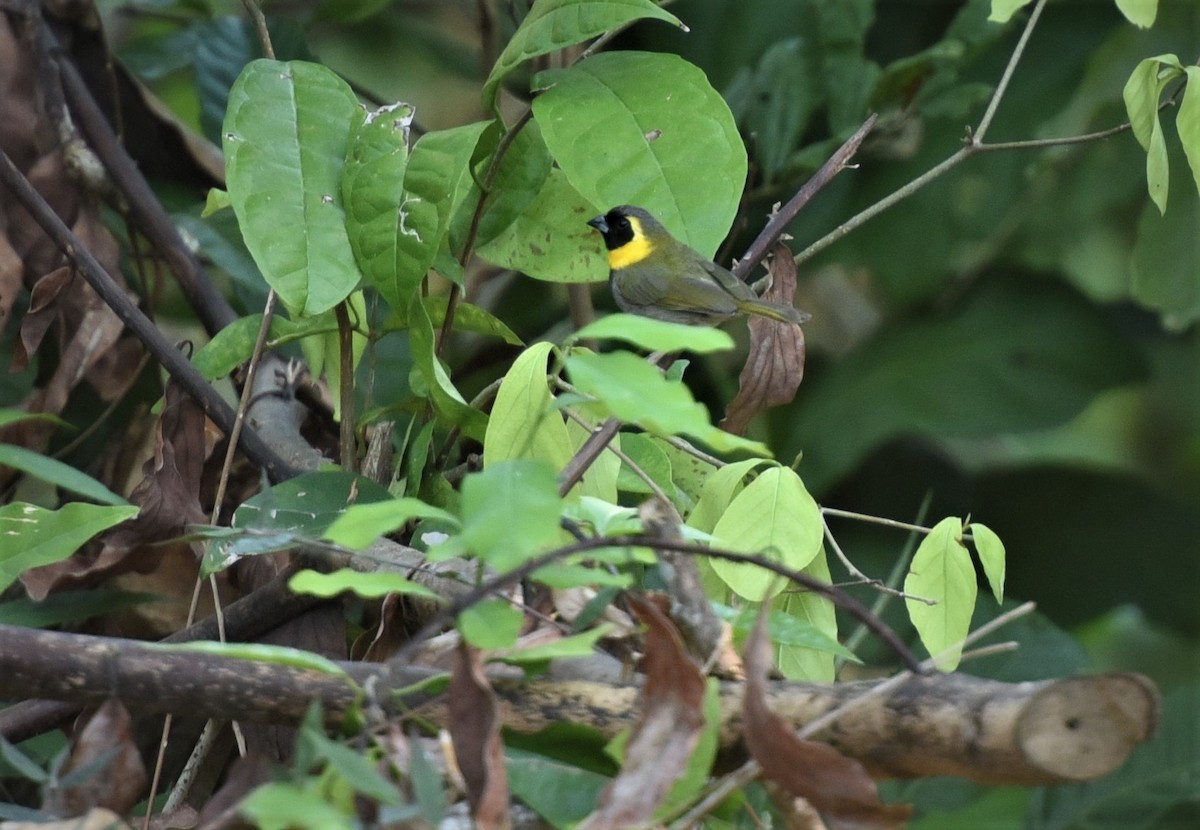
614,226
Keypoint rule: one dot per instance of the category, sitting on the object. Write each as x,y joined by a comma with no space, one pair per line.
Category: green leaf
296,658
71,606
447,401
57,473
802,662
359,525
523,422
369,585
285,139
510,512
576,645
600,480
560,793
551,240
491,624
22,764
308,503
9,417
670,142
34,536
786,629
288,807
551,25
1140,13
1003,10
643,452
234,344
941,571
655,335
1164,272
1141,94
774,516
518,178
1187,122
376,204
435,182
1007,370
991,556
467,318
718,492
631,389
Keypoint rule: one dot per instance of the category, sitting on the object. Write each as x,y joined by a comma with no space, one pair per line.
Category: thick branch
1053,731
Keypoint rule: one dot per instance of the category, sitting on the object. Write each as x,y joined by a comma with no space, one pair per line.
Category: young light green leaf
1140,13
802,662
551,25
775,517
447,401
1003,10
941,570
377,215
649,459
35,536
1141,94
1187,122
637,393
655,335
991,556
719,490
55,472
523,422
491,624
277,806
285,137
551,240
670,142
296,658
600,481
510,512
369,585
361,524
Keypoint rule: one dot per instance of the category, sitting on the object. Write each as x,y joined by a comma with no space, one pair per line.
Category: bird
655,275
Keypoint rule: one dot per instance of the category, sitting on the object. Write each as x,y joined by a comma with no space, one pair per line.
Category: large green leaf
285,138
551,240
631,389
1017,356
435,182
551,25
801,661
1166,274
669,144
941,571
376,205
775,517
510,513
34,536
513,187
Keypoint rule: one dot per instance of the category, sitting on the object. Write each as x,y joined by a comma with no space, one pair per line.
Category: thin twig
985,123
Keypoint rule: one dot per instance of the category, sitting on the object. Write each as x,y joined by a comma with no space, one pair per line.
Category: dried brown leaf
475,729
837,786
775,365
117,775
665,737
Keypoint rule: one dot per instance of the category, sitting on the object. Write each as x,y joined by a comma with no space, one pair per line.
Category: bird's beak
599,224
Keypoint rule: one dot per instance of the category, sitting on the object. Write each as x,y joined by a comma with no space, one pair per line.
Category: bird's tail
774,311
